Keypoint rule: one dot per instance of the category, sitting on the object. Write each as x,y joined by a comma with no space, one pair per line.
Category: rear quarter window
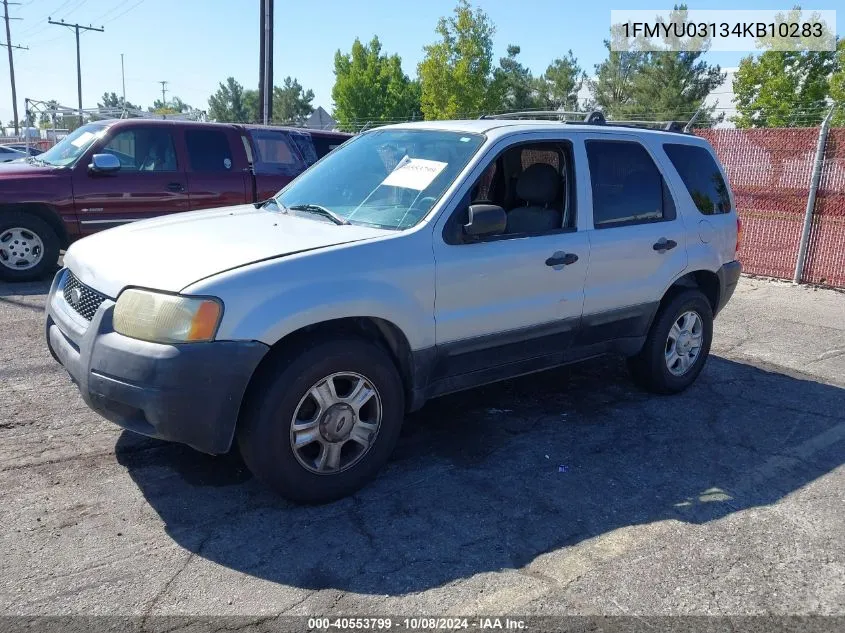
275,153
701,176
305,144
325,144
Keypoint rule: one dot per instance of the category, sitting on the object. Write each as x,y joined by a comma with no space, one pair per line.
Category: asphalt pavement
567,492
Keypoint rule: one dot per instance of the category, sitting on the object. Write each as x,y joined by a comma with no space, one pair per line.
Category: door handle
562,259
662,245
175,186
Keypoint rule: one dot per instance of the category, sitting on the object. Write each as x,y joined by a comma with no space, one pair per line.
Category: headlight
162,318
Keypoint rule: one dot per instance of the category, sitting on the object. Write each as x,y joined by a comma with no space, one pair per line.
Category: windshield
71,147
385,178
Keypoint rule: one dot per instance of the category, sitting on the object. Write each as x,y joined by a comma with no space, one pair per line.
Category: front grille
81,298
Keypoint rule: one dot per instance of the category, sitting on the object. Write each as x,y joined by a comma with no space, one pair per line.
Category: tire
20,234
654,368
284,389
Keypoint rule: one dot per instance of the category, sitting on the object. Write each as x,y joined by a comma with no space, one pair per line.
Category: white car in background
8,154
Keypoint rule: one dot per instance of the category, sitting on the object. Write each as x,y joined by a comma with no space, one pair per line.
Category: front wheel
677,345
29,247
322,420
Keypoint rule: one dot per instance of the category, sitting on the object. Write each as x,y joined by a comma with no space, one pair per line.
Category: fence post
811,198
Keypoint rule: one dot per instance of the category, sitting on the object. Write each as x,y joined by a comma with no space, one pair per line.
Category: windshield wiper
34,160
319,210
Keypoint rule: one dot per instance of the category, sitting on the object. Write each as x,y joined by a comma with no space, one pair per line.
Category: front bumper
189,393
728,278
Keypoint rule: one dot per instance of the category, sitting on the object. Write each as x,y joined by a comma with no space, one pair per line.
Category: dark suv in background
109,173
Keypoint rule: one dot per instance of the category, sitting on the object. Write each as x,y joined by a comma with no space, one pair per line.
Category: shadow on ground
26,288
497,476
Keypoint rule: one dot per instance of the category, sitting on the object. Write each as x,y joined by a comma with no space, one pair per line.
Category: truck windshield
386,178
70,148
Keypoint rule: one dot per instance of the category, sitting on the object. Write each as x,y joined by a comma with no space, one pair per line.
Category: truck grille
81,298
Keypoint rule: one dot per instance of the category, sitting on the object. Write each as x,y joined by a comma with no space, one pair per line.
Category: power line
75,7
119,15
116,7
77,28
37,26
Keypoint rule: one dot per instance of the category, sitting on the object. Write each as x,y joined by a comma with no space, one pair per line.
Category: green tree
70,122
558,87
672,85
250,99
837,85
45,120
457,71
370,86
513,86
612,88
657,82
111,100
782,88
787,87
291,103
227,104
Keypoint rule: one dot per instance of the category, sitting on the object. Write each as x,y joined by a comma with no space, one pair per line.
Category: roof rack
595,117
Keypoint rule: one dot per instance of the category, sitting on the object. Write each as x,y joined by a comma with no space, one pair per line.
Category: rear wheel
322,420
677,345
29,247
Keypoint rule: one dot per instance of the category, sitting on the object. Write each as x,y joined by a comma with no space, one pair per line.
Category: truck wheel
29,247
322,420
677,345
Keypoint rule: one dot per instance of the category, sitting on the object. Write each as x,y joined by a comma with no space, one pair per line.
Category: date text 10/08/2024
413,624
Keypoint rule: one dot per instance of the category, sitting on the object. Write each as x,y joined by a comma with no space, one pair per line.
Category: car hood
22,169
172,252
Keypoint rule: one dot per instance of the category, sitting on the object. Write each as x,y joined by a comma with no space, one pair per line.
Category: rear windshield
701,176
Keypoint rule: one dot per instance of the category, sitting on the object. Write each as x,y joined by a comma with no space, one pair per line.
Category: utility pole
268,87
265,83
123,82
77,28
163,93
9,46
262,55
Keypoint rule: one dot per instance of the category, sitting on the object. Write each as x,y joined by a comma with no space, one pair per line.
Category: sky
195,44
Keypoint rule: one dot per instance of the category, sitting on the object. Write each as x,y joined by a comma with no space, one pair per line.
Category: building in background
320,120
723,98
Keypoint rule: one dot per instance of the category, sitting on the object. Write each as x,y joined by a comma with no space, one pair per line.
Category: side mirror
485,219
104,164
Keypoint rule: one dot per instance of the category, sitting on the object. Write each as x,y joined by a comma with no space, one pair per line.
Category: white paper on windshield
414,173
83,138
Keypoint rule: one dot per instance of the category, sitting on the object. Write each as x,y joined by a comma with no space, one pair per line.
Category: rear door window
208,151
628,187
305,144
701,176
275,153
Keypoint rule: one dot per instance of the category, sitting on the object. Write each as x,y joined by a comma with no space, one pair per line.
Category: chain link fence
770,171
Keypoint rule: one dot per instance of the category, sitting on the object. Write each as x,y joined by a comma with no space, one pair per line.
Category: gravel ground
564,492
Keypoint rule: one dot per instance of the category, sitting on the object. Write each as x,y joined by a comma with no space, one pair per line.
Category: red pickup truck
108,173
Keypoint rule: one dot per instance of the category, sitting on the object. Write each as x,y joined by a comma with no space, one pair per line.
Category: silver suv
414,261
